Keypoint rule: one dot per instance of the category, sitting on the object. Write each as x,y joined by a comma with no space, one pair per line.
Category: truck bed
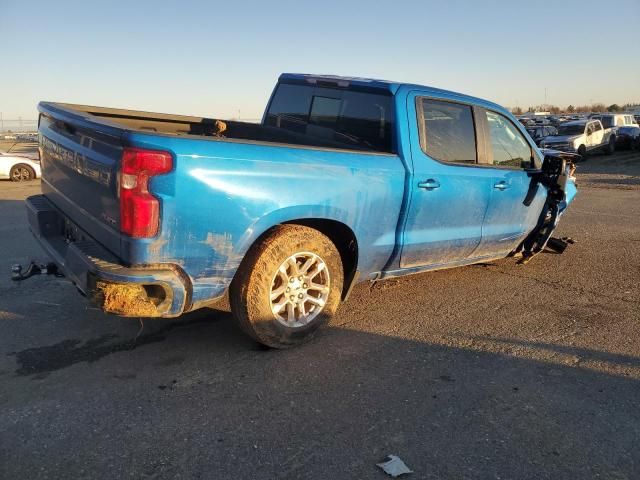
184,125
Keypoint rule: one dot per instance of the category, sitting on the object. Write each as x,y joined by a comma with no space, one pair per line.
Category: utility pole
545,97
1,123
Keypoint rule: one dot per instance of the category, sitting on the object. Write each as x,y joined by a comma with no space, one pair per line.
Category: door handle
429,184
501,185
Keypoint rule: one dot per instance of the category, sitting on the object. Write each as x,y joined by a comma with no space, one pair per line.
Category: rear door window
447,131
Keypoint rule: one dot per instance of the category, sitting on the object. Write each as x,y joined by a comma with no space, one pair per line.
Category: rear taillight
139,210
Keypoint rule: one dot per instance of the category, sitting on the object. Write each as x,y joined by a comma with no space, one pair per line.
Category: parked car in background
626,136
27,137
527,122
540,132
615,120
18,168
555,120
612,122
345,180
581,137
637,119
542,121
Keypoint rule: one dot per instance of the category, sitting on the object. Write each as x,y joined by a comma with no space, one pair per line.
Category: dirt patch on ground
129,300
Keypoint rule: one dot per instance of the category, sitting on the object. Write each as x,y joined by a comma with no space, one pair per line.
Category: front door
449,194
511,215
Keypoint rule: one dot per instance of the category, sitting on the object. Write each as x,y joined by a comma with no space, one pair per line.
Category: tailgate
80,160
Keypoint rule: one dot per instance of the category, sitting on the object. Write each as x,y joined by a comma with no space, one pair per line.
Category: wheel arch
342,236
345,240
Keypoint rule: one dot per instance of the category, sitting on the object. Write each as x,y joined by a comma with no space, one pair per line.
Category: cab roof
375,84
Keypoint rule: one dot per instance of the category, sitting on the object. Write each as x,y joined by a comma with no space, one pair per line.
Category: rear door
511,215
449,193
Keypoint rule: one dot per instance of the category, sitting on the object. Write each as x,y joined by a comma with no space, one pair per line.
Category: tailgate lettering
74,160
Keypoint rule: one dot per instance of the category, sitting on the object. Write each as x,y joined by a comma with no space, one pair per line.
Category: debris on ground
129,300
394,466
559,245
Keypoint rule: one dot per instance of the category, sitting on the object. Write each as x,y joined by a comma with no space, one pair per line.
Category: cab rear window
362,120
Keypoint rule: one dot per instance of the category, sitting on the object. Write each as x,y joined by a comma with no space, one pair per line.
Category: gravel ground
490,371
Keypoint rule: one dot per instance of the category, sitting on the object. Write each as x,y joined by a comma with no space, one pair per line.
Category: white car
18,168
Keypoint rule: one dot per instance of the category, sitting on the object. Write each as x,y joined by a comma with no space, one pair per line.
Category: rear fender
288,215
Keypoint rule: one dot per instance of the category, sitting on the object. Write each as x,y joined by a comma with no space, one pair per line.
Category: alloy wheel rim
299,289
21,174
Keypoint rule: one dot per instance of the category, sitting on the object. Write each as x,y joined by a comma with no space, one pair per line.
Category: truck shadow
334,407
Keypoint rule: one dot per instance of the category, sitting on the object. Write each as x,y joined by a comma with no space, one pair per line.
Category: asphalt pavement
494,371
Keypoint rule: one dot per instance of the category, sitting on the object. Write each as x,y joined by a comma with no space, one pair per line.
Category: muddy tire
611,146
21,173
287,286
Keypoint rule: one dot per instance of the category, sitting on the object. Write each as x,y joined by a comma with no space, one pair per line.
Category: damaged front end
557,176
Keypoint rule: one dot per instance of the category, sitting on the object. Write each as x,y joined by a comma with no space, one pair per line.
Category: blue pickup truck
344,180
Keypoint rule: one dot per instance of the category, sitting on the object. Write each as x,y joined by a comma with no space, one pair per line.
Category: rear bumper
86,263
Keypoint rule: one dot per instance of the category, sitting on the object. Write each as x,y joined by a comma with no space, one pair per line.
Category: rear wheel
611,146
21,173
287,287
582,151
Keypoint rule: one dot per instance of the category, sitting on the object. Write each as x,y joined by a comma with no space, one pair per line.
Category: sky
222,59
